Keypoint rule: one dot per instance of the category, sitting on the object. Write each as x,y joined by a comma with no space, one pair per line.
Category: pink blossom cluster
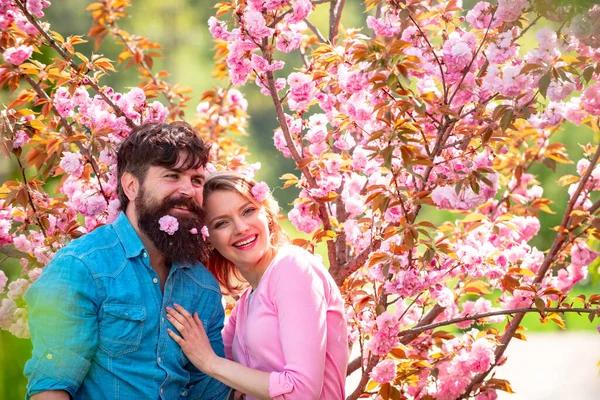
470,357
465,198
385,338
11,16
17,55
13,317
243,58
384,372
97,115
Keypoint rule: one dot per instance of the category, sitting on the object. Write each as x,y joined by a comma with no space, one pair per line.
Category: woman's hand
193,339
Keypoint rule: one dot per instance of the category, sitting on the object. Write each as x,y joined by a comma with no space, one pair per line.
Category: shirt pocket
121,328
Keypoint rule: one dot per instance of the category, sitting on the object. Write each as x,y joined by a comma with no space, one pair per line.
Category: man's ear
130,185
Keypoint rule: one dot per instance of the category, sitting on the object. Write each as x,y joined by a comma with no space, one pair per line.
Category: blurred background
180,26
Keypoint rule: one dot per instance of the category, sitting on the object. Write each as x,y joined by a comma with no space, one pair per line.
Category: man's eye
197,182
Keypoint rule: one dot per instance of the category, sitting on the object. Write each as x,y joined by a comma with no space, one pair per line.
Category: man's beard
182,247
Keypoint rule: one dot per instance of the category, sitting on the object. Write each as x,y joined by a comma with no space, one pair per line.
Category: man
97,314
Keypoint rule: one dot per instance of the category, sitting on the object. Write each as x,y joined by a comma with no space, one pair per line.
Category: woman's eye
249,210
219,224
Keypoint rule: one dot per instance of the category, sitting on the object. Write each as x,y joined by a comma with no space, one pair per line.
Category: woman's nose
240,226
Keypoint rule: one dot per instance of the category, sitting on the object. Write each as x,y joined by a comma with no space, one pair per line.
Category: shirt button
159,359
49,356
184,393
162,390
145,254
155,280
287,386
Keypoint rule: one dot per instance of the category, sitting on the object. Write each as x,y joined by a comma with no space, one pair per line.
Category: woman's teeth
245,242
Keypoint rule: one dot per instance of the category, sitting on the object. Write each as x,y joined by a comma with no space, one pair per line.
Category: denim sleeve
203,386
63,306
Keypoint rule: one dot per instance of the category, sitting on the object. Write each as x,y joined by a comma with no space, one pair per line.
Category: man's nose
186,188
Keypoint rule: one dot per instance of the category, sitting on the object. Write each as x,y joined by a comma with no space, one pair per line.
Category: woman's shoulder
292,253
291,260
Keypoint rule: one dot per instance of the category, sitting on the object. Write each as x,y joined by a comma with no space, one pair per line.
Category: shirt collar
128,236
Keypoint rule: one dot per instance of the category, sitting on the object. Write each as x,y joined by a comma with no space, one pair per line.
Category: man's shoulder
99,245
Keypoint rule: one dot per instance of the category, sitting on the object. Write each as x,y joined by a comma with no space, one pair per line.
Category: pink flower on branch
384,372
72,163
3,280
17,55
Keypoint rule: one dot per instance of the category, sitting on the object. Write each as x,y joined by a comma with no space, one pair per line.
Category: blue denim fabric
98,322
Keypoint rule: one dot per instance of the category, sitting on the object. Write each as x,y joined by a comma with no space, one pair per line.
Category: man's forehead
160,168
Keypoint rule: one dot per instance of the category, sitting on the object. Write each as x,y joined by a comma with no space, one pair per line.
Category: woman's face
238,229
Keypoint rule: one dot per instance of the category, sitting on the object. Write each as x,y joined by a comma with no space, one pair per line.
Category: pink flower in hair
204,232
260,191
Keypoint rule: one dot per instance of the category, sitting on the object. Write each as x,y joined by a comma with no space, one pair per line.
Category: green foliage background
180,26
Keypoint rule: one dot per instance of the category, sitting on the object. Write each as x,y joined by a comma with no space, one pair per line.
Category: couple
128,312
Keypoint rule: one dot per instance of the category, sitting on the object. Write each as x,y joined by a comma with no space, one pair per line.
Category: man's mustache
187,202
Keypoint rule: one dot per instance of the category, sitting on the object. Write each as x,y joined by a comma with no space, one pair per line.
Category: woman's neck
254,274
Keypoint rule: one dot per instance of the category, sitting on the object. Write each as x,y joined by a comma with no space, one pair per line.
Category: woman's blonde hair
224,270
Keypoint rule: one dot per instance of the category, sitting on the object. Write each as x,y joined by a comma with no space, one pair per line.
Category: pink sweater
293,326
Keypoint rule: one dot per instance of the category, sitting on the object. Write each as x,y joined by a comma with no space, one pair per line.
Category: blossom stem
475,317
29,198
146,67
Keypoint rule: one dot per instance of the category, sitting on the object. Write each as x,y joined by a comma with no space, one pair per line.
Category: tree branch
323,214
315,30
344,271
335,15
40,92
548,260
29,198
12,253
476,317
72,64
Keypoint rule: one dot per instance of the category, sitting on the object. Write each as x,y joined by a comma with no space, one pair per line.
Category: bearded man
97,314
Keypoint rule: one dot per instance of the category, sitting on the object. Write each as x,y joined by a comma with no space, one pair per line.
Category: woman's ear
130,185
209,246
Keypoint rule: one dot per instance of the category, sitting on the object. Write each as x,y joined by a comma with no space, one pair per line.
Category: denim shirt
98,322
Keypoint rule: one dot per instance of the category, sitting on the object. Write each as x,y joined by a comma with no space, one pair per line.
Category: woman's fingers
182,311
178,325
175,337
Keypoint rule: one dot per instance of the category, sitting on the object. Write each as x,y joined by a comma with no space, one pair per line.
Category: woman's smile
246,243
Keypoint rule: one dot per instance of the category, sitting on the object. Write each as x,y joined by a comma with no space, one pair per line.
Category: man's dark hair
159,144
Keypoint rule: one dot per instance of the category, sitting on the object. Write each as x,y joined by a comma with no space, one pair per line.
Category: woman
287,333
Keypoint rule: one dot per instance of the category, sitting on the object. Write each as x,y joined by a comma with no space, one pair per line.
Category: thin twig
34,209
72,64
69,130
476,317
